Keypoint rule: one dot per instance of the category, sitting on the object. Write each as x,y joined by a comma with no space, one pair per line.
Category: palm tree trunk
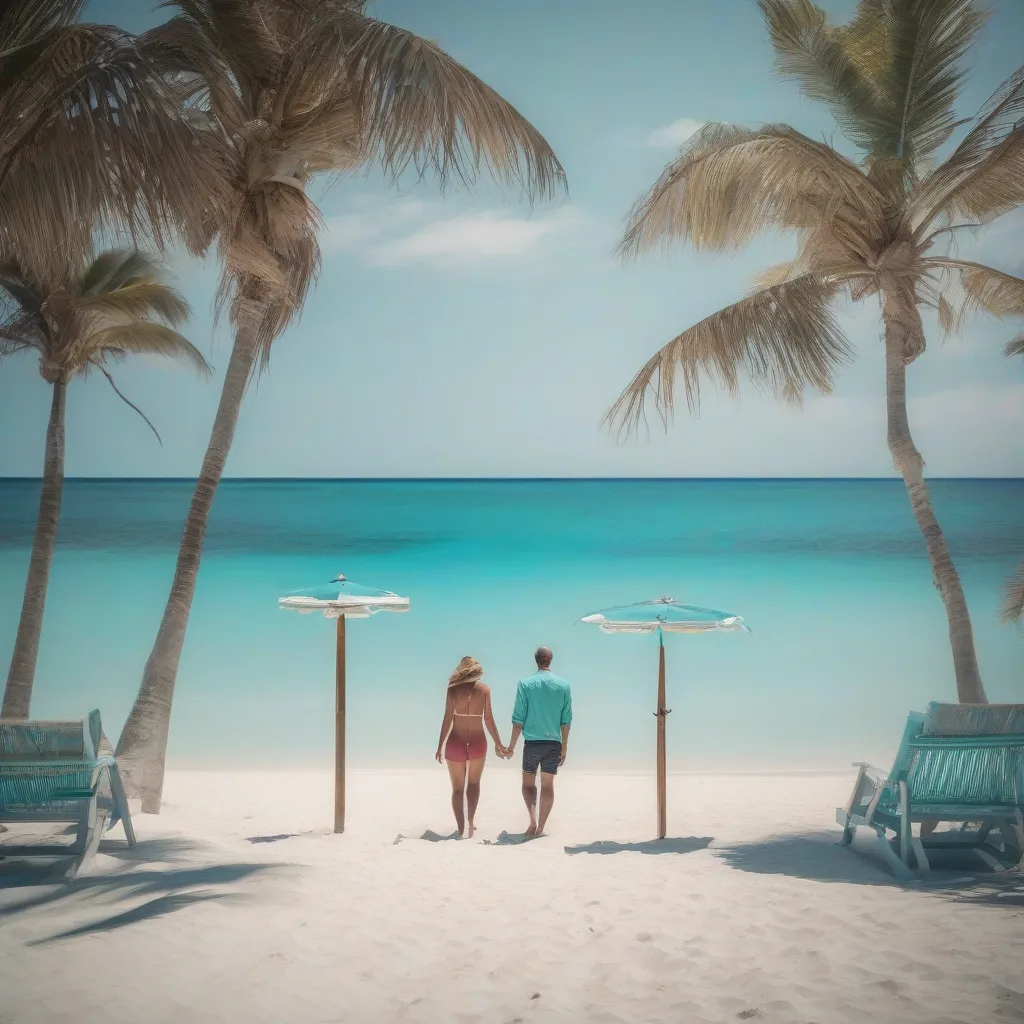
21,675
142,747
903,334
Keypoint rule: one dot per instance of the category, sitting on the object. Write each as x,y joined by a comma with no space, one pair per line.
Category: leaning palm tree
100,313
93,137
295,88
868,228
1013,595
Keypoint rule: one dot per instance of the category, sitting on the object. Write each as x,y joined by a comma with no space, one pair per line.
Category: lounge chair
956,763
59,772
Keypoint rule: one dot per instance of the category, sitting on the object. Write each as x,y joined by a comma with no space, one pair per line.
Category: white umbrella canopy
664,615
342,599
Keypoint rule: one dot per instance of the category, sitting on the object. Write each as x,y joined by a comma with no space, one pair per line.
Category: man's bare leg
530,796
457,773
547,800
475,770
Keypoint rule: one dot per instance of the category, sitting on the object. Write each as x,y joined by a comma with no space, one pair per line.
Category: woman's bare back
469,704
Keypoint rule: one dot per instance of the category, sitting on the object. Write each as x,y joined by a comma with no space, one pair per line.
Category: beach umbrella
342,599
663,616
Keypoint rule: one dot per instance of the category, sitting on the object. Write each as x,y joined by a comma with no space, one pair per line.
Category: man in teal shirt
542,714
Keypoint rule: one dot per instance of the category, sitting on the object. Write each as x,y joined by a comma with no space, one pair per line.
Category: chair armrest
876,773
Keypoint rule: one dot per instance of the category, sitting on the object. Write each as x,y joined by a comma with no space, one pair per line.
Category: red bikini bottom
460,750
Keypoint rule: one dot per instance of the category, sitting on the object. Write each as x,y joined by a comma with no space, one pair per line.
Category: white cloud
488,235
351,230
674,134
348,230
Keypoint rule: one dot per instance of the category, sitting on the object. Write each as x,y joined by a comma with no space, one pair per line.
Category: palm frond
950,318
22,22
890,76
93,138
808,49
423,109
785,337
1015,347
21,307
730,183
139,299
248,30
1013,598
143,338
984,176
771,276
25,294
114,269
127,401
930,39
984,288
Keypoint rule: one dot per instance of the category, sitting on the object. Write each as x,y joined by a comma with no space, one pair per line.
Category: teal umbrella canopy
661,616
667,616
344,597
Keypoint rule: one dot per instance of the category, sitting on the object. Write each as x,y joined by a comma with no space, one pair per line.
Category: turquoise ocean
848,635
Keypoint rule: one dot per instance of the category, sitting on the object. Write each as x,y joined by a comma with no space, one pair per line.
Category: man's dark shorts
545,753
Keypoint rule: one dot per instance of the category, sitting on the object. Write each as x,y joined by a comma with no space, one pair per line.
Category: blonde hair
469,671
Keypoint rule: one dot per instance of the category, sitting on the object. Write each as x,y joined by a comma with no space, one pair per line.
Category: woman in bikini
467,710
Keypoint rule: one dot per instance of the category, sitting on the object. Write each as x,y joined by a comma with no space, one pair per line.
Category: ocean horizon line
894,478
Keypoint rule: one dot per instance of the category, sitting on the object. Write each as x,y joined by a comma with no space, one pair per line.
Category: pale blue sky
471,336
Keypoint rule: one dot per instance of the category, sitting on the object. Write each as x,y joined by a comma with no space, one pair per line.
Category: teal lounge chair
956,763
59,772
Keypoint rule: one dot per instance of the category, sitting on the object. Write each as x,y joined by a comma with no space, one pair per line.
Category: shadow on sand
511,839
687,844
158,907
818,857
435,837
163,890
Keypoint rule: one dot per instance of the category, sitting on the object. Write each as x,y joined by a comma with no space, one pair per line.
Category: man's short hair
543,656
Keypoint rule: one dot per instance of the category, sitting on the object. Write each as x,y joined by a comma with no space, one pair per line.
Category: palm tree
103,312
295,88
93,137
1013,597
867,228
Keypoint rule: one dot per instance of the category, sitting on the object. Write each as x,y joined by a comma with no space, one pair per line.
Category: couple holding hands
542,716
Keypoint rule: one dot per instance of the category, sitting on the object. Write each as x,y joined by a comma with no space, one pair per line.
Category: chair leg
121,804
989,860
906,834
922,858
1015,832
900,870
849,831
90,832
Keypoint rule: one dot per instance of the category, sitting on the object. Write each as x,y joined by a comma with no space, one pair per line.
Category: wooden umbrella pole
661,714
339,730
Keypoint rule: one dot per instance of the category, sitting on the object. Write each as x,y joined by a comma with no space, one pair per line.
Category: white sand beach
239,905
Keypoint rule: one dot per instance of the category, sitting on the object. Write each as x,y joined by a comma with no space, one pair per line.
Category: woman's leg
457,773
474,771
